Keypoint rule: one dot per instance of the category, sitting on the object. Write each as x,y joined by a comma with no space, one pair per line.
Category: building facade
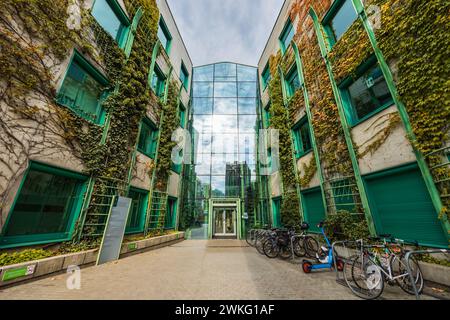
339,121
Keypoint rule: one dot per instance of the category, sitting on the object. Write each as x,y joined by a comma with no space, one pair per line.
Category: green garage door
313,209
401,206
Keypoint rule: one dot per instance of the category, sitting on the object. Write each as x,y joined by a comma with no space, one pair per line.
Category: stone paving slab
192,270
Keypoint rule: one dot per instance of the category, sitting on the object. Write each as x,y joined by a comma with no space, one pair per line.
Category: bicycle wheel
259,242
271,249
365,279
398,267
285,252
251,237
299,247
311,246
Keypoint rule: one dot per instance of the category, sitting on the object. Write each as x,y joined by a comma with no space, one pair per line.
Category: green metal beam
426,174
311,125
344,123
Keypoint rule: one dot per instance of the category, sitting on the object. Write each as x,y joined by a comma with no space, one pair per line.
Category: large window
366,95
111,17
339,19
148,138
45,208
267,115
286,36
82,90
164,35
158,82
292,81
184,76
276,212
136,217
182,115
265,76
302,138
171,213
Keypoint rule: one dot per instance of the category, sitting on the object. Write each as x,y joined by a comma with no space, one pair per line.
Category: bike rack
344,244
408,266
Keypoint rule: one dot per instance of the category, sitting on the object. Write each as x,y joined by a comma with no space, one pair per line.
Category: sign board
114,231
11,274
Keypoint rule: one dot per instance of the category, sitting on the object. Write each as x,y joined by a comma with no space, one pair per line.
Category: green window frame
171,214
338,20
83,90
286,36
148,138
293,82
164,35
158,83
138,210
302,138
109,12
276,212
265,76
376,93
267,116
41,215
184,76
177,167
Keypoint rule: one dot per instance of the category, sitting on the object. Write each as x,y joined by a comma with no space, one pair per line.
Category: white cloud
225,30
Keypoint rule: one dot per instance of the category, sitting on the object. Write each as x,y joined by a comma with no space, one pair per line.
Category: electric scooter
324,256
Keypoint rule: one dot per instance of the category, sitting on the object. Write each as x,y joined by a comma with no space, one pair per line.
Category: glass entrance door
224,222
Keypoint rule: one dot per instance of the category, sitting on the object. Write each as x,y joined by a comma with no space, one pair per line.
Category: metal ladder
341,193
157,213
439,163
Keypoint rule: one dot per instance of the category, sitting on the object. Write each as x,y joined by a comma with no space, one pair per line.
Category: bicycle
279,243
303,244
377,264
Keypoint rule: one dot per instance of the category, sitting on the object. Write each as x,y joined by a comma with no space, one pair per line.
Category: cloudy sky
225,30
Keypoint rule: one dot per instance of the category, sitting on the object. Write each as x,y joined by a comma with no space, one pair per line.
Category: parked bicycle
376,264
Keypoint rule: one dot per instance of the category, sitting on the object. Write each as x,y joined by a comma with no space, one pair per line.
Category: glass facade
223,126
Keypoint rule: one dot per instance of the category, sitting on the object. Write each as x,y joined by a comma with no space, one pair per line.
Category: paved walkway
193,269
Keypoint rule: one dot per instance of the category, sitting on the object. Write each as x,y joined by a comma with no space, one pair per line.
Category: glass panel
247,143
225,105
107,18
203,187
218,186
225,72
203,143
203,90
245,73
343,19
247,105
247,89
205,73
219,164
229,221
247,123
369,92
225,143
203,164
202,105
203,123
306,138
224,124
135,215
44,205
218,226
287,35
225,89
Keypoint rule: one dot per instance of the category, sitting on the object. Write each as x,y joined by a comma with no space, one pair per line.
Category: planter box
34,269
435,272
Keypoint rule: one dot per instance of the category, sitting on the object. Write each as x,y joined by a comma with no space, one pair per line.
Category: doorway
224,222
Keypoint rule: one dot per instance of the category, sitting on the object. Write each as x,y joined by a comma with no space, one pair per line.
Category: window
366,95
266,76
111,17
302,138
182,115
267,115
171,214
339,18
184,76
46,207
82,90
292,81
286,36
158,82
136,217
164,35
276,212
148,138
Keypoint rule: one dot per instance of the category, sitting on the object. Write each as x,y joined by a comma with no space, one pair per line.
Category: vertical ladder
439,163
157,213
341,193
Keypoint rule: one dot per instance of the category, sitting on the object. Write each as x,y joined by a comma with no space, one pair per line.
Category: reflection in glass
225,89
245,73
247,123
224,124
205,73
225,143
203,90
202,105
225,106
202,143
247,143
247,89
247,105
202,124
203,164
225,71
